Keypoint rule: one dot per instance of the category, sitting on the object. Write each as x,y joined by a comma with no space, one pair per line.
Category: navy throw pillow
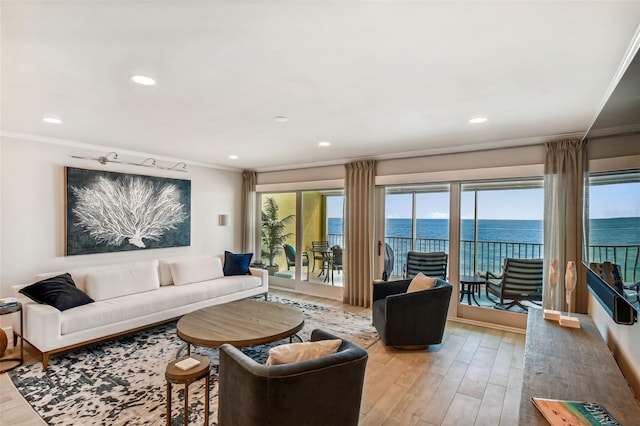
60,292
236,263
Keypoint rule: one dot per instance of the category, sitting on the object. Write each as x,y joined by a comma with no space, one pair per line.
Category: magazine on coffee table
574,413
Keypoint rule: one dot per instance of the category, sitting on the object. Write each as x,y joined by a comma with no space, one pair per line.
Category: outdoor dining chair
321,252
290,253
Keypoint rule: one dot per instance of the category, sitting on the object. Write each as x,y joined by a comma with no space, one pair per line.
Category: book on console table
574,413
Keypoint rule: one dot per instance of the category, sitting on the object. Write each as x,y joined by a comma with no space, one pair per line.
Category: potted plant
273,234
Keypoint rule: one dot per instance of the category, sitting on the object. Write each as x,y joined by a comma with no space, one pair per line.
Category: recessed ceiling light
233,157
324,143
281,118
143,79
478,120
52,120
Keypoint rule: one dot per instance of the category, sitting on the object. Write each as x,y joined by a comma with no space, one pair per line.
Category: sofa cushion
59,292
196,269
164,269
236,263
421,282
294,352
123,280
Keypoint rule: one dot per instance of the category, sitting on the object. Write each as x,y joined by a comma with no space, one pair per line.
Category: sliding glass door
416,219
499,220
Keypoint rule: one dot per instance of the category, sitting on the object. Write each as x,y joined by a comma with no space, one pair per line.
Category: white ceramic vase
570,282
553,281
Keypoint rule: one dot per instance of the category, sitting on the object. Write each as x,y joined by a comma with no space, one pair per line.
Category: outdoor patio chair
521,280
320,251
315,392
290,253
432,264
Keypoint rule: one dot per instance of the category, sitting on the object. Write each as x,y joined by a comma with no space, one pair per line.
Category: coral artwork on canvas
128,208
109,211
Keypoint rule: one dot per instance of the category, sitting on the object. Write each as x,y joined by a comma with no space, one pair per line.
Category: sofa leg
45,361
266,297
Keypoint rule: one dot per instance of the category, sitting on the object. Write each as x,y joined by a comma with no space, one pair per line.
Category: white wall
32,225
623,341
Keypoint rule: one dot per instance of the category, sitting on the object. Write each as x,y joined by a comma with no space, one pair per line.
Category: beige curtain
359,244
564,173
249,213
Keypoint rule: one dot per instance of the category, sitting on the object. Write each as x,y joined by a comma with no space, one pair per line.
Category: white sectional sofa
129,297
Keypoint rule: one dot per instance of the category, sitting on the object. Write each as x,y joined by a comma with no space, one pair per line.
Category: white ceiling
383,79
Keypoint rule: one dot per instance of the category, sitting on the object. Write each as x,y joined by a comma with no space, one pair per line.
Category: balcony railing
489,255
626,256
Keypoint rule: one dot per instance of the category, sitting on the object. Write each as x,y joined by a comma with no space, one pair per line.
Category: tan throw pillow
421,282
294,352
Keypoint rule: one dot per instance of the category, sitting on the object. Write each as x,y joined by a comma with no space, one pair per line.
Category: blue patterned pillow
236,263
60,292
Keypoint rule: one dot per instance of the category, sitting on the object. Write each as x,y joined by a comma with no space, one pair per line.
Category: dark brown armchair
322,391
410,320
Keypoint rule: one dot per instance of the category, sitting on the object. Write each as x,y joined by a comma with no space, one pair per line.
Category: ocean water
615,231
603,232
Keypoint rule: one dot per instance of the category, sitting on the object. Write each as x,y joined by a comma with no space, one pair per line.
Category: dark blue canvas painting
109,211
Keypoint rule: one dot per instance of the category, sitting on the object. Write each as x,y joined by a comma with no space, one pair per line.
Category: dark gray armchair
322,391
410,320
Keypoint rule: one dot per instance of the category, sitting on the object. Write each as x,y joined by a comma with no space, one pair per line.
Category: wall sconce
223,220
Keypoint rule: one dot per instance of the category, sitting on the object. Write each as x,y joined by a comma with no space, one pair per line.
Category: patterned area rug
122,381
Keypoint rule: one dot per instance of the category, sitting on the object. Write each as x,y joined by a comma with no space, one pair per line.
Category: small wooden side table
175,375
6,311
472,283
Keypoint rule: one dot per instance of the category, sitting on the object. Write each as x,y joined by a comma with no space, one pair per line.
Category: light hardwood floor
473,378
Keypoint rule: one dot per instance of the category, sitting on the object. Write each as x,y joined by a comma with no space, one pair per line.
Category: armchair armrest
389,288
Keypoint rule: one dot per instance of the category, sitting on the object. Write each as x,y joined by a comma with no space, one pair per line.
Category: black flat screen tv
618,308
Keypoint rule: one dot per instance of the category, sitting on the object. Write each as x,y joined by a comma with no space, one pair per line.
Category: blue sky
605,201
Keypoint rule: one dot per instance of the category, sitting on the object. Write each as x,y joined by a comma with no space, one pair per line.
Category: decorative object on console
108,211
570,285
553,314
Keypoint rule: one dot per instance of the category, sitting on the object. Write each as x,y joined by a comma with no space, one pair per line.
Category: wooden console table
572,364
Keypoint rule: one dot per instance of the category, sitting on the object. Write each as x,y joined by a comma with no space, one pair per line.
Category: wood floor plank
407,412
511,403
378,414
469,348
444,394
463,410
491,406
500,371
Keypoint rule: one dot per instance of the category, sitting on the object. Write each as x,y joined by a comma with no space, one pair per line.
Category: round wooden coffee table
242,323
